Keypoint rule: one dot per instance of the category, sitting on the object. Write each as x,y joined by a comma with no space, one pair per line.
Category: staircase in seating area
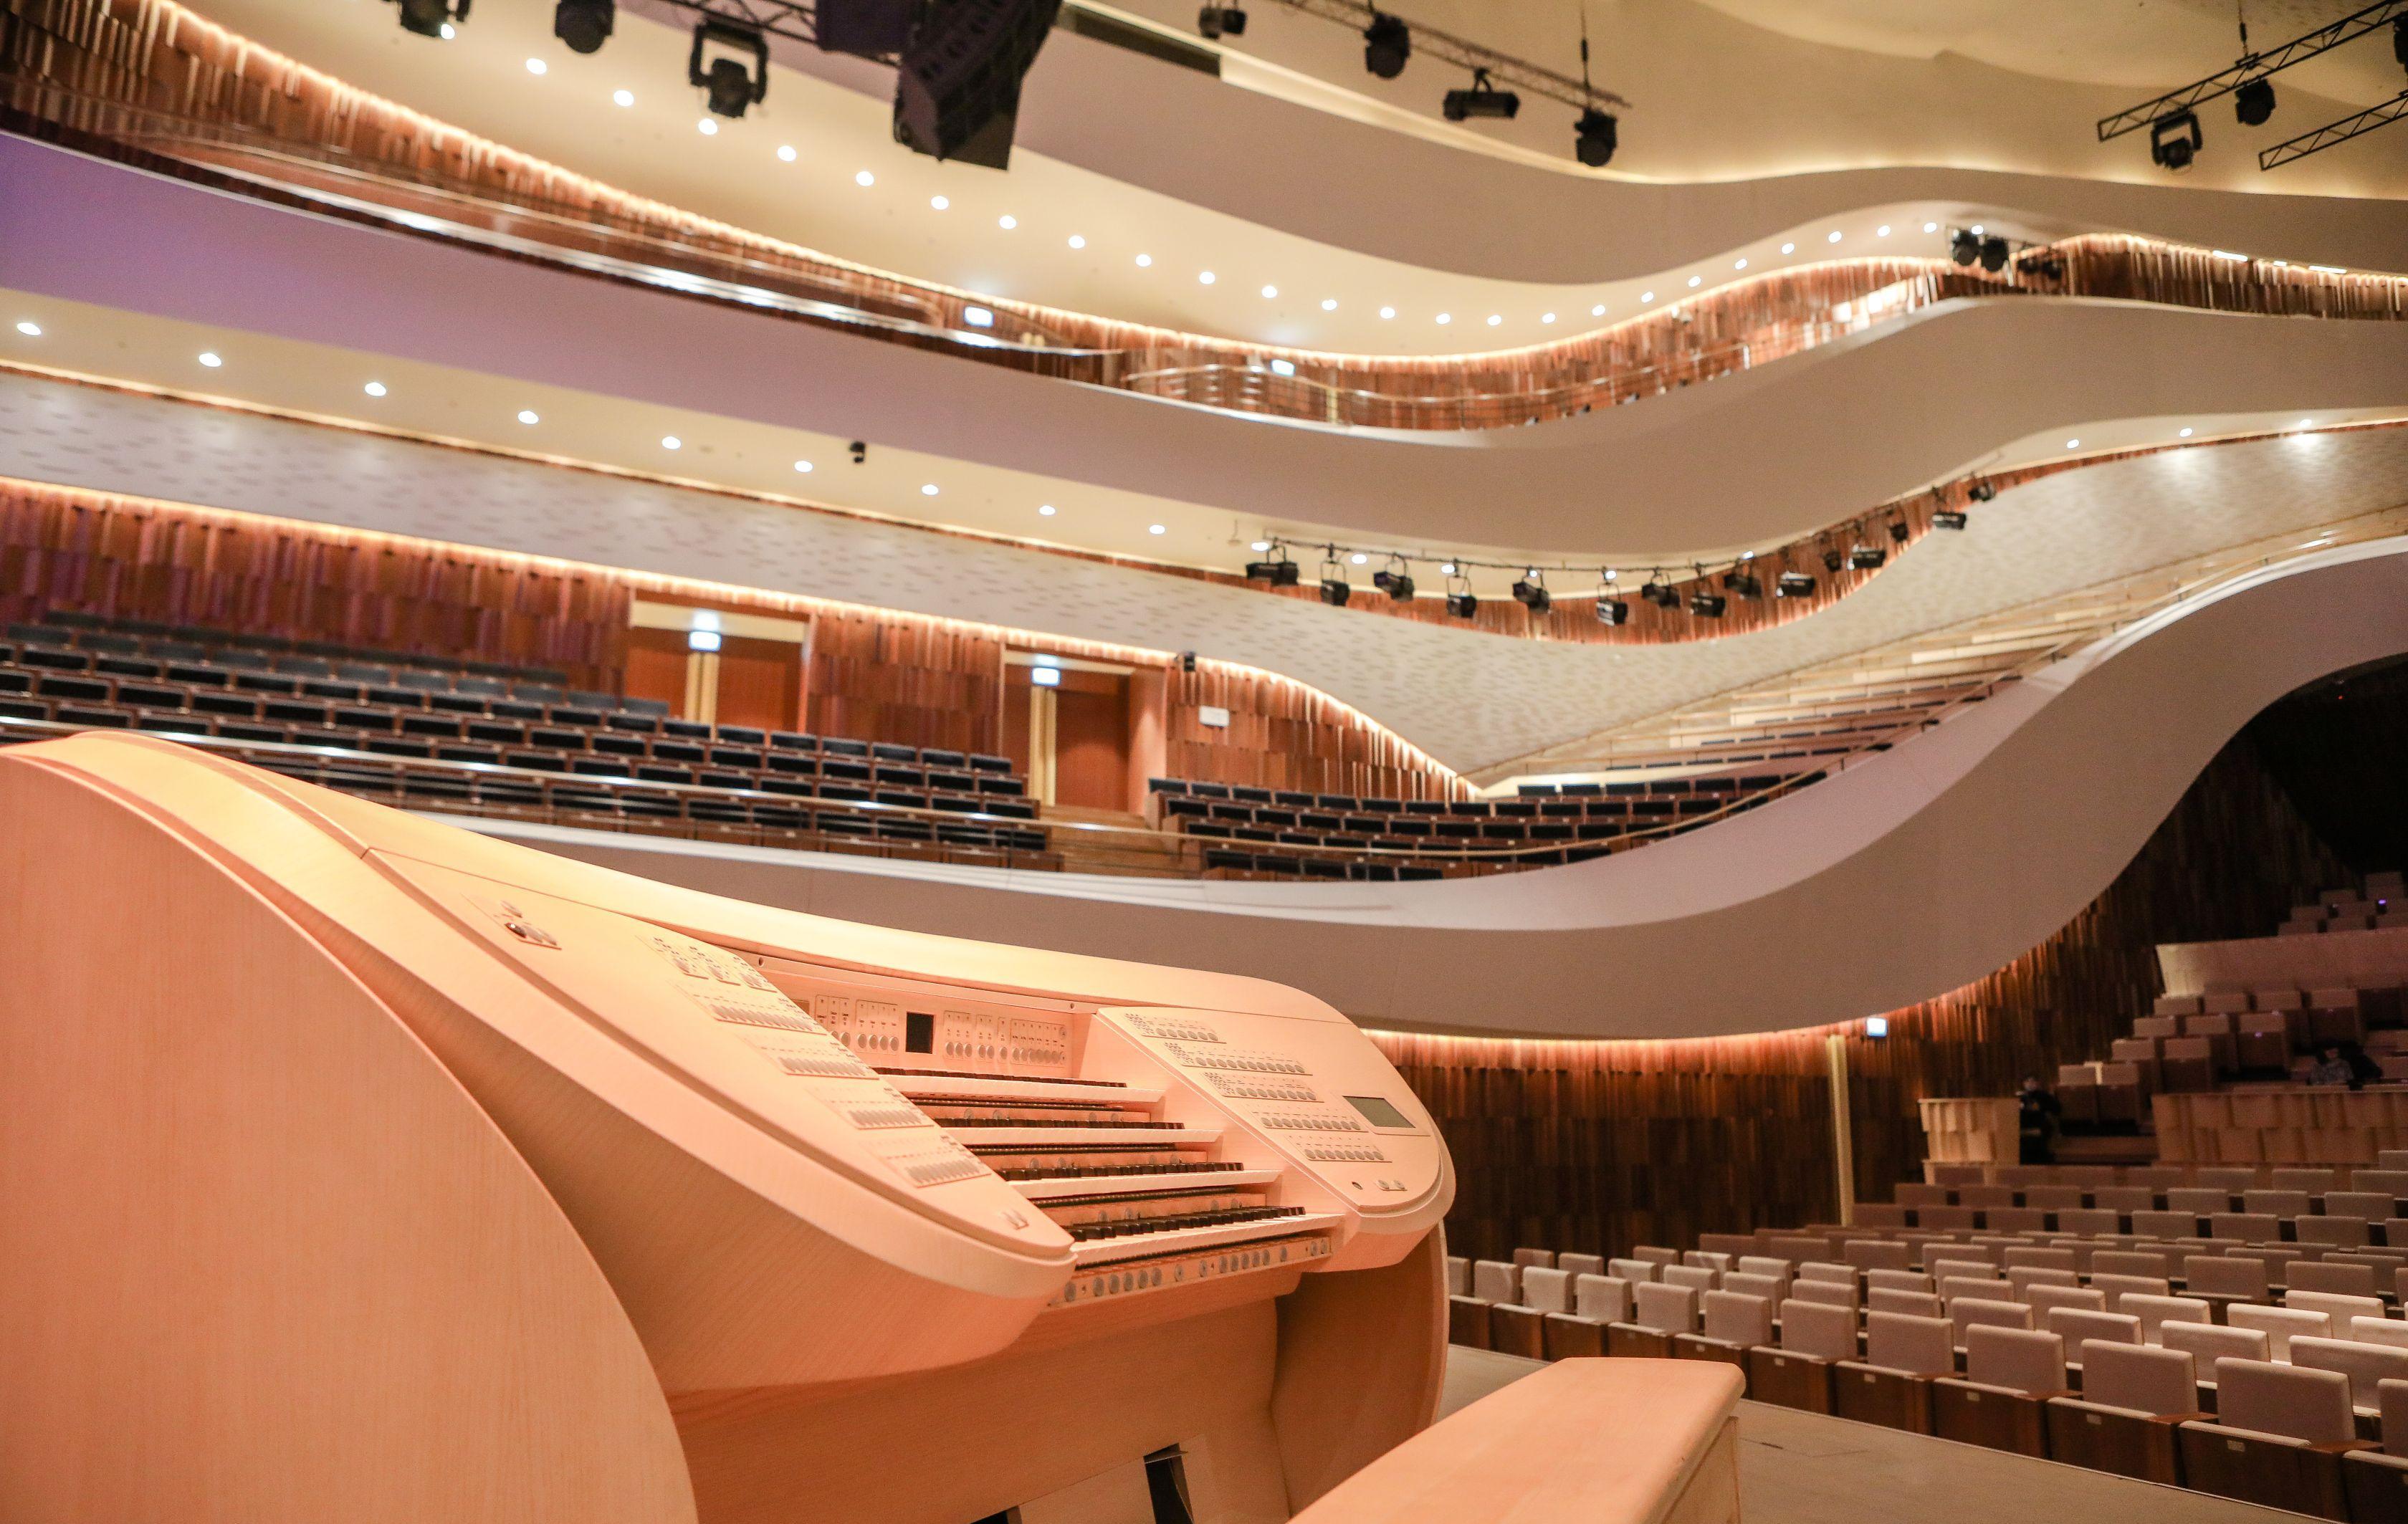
1112,841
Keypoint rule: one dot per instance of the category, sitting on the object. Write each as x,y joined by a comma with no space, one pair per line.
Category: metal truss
2256,66
2336,131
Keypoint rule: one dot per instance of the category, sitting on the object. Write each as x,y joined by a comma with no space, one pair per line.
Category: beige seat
1892,1385
2045,1299
2053,1198
2342,1233
2365,1206
2155,1312
1830,1293
2027,1257
2248,1226
1496,1280
1881,1254
2377,1480
2024,1277
1526,1258
1697,1279
2090,1221
1656,1254
2119,1287
1829,1272
2366,1365
1733,1323
2198,1201
1771,1288
1599,1303
1983,1255
2273,1203
2212,1277
2134,1398
1880,1215
1966,1312
1657,1313
2123,1198
2010,1375
2208,1343
1897,1280
1918,1304
1814,1338
1581,1264
2341,1309
2278,1437
1602,1298
1520,1328
1988,1287
1764,1264
2391,1183
1547,1289
1633,1271
2281,1324
2335,1276
1713,1259
2164,1224
1458,1276
2154,1264
2081,1328
2384,1331
2313,1179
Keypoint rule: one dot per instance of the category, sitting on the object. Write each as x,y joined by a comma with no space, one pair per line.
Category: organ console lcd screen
1379,1112
919,1032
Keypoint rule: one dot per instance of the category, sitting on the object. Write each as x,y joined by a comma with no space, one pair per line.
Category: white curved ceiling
1469,699
1915,874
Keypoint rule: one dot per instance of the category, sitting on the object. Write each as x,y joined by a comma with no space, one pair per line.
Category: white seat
2383,1331
1458,1276
1965,1312
1915,1345
1736,1317
1496,1280
2309,1405
1828,1292
2119,1287
2213,1274
2025,1278
1989,1288
2281,1325
1706,1260
1897,1280
2155,1312
1602,1298
1633,1271
2210,1342
1765,1264
1581,1264
2365,1365
1545,1289
1697,1279
1665,1309
2045,1299
1818,1329
1769,1288
1917,1303
1827,1272
2139,1378
2017,1359
2340,1308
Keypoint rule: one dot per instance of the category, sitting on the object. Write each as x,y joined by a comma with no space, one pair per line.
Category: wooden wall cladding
1600,1146
915,682
1282,736
128,559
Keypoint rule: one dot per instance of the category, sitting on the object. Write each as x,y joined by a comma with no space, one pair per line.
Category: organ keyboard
683,1207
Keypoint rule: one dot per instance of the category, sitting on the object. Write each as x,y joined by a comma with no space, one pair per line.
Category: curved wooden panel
261,1258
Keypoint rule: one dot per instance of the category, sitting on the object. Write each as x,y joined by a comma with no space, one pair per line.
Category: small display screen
1377,1112
919,1032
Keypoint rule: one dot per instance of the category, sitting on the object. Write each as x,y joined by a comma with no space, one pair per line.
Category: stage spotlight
728,87
1708,605
1613,611
1833,559
584,25
1387,42
2400,40
1993,253
1396,582
1740,583
2174,141
1795,585
1868,558
1660,593
1462,605
1964,246
431,18
1982,492
1898,532
1278,571
1530,591
1217,22
1948,519
1335,590
2254,102
1594,138
1483,99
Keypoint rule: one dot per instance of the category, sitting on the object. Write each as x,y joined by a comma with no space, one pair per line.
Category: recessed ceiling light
210,358
1930,227
864,177
1007,222
979,317
1145,261
1329,303
30,329
1697,280
1206,279
927,489
536,66
622,97
1495,318
1597,311
1647,296
2074,444
1789,248
670,441
1835,235
1738,265
1358,558
1078,242
1270,292
1446,568
528,415
1977,230
2185,435
1388,312
1260,544
803,466
1546,316
1156,529
1045,509
1446,316
707,127
938,203
2302,424
374,389
1882,231
786,152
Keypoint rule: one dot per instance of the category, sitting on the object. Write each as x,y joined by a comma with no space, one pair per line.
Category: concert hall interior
1109,762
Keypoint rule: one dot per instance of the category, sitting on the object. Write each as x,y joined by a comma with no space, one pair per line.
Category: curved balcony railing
148,78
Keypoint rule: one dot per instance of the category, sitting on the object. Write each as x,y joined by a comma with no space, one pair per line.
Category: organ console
360,1167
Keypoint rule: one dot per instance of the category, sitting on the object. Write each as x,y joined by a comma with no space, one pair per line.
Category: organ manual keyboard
361,1168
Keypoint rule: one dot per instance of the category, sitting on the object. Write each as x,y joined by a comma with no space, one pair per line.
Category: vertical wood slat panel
1597,1145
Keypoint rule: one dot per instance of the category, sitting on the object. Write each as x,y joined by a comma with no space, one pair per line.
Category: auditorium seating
475,738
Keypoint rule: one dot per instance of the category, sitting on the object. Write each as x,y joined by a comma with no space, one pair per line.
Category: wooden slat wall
1281,735
1600,1146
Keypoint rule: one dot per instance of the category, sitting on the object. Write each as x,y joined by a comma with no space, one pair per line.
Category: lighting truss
2336,131
790,19
1469,55
2255,66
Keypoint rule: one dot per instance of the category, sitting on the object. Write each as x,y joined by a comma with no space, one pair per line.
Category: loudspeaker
958,89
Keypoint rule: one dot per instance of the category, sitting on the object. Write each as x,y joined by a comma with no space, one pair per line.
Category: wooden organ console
361,1168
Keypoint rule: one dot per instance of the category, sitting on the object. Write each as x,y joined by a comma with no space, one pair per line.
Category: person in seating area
2036,1123
2332,1068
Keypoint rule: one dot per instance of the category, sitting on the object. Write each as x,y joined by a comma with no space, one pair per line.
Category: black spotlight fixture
1278,571
2400,40
1964,246
1335,589
1387,42
1613,610
1396,581
2174,141
1530,591
1866,558
1660,593
2254,102
1739,582
584,25
1993,253
431,18
1462,605
859,451
1708,605
1483,99
1982,492
1899,532
1594,137
1833,557
1217,22
729,88
1795,585
1948,519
